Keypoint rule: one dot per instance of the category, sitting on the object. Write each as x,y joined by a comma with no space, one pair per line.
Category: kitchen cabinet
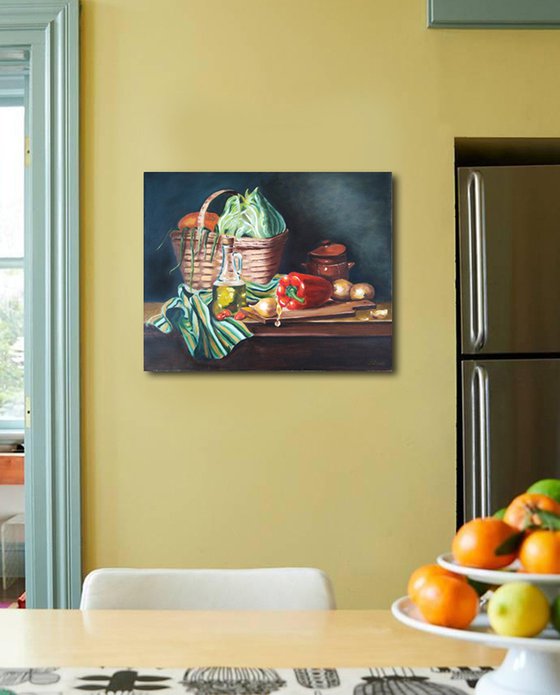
493,14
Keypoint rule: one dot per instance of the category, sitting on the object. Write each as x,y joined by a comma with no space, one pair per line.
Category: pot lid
328,249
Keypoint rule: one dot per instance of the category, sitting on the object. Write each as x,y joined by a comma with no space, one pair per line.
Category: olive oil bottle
229,291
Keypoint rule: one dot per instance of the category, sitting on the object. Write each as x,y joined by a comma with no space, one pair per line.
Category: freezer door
509,259
511,430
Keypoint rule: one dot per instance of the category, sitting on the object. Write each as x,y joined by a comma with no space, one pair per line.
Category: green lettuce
250,215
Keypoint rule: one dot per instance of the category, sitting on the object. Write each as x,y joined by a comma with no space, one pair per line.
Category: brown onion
266,307
341,289
362,290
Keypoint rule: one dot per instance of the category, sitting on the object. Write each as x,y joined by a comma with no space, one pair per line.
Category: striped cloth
206,338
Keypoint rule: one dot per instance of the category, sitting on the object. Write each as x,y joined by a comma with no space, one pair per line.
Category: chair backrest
291,588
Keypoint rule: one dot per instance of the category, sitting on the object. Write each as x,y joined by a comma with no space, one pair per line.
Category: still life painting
268,271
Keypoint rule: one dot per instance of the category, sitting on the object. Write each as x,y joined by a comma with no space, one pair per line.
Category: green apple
518,609
548,486
555,613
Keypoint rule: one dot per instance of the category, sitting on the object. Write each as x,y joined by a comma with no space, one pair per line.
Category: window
11,262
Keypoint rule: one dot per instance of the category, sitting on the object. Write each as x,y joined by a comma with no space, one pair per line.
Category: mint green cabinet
494,14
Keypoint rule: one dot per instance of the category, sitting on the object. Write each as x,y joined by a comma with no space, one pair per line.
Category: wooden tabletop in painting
334,343
276,639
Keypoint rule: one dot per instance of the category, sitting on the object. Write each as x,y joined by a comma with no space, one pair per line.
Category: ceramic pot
329,261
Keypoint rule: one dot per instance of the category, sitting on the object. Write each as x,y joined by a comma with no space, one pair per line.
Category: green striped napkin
206,338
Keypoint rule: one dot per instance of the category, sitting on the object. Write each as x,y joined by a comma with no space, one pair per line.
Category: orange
448,602
540,552
419,577
476,542
520,511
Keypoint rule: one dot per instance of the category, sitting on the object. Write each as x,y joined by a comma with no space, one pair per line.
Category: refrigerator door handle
480,444
477,253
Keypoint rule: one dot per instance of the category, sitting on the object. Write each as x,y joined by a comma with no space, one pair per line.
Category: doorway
13,71
41,38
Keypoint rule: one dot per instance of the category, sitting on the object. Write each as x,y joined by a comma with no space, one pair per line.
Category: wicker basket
261,257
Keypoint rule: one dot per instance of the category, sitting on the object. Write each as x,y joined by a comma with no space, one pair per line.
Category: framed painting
268,271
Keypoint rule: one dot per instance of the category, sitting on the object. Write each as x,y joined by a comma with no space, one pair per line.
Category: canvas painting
268,271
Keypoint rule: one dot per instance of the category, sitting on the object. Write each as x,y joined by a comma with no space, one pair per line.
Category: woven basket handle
202,214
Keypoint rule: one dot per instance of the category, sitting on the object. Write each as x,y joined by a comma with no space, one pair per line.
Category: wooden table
345,345
188,638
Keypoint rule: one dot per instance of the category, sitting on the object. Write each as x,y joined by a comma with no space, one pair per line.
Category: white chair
208,589
10,565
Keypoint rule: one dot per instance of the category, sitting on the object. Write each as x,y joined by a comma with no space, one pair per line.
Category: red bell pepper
299,291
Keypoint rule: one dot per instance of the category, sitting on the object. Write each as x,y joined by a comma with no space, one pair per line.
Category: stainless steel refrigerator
509,333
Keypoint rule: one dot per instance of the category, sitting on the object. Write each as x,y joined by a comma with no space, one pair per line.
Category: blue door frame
48,30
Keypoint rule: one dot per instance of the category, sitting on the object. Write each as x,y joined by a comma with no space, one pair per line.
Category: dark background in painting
352,208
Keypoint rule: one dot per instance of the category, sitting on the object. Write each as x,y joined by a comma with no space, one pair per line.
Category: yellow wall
352,473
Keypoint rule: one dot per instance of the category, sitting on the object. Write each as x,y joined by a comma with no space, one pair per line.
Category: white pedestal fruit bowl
531,666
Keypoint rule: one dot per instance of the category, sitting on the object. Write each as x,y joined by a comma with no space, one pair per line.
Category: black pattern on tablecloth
229,680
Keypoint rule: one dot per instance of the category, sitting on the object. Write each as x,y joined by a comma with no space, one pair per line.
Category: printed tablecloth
224,680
